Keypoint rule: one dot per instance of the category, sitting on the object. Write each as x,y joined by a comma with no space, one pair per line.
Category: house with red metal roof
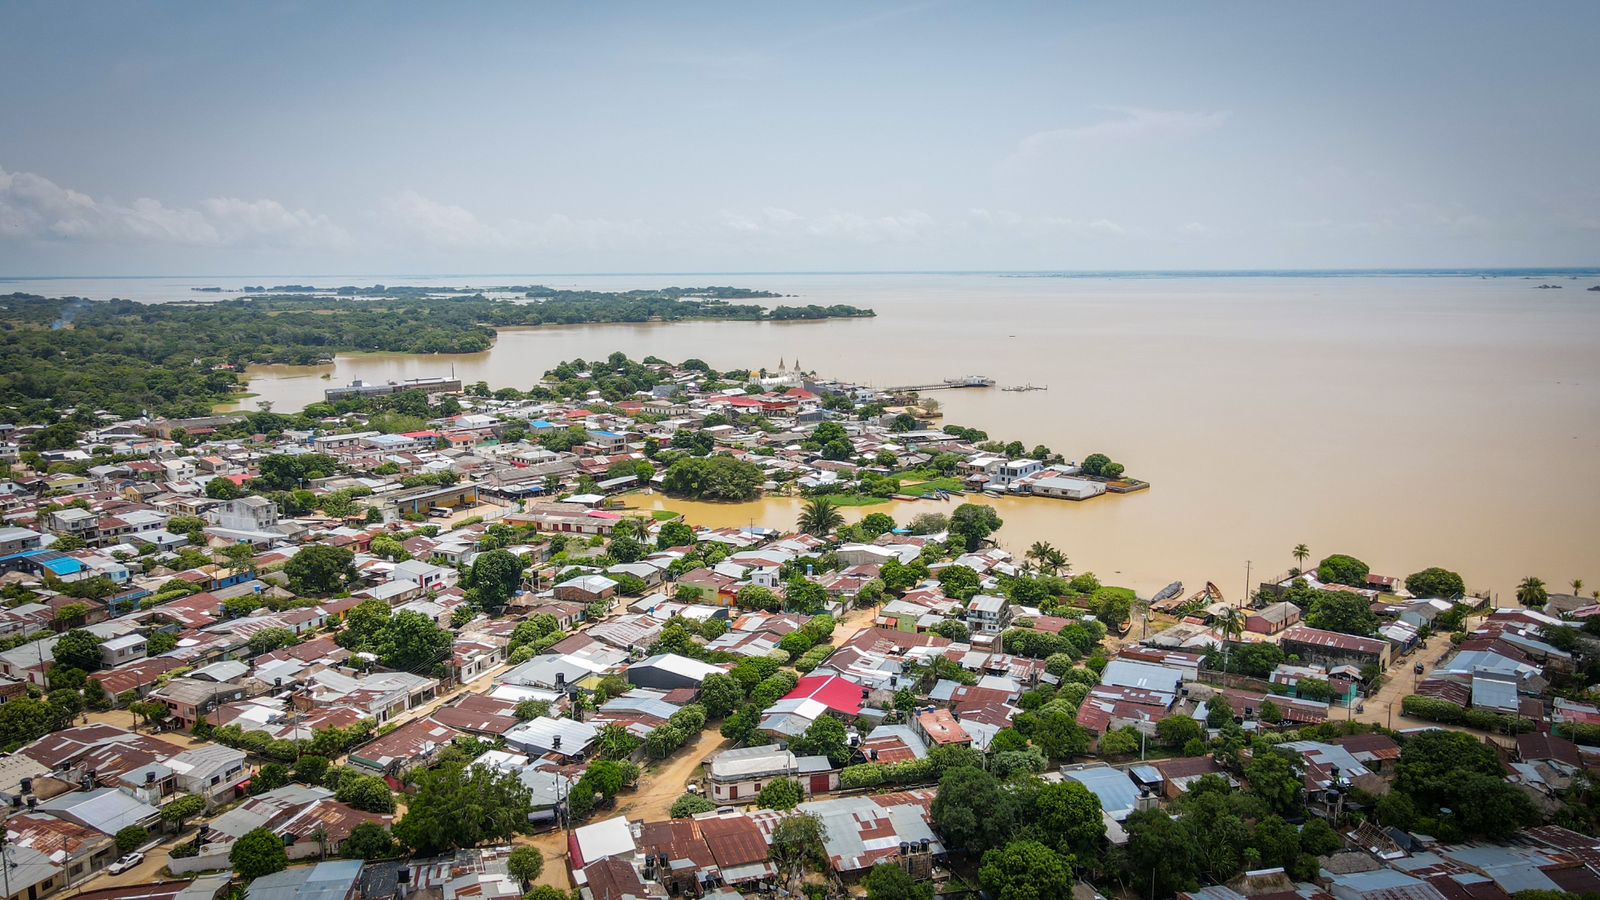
813,697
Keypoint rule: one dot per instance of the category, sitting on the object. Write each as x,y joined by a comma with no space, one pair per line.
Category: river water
1410,421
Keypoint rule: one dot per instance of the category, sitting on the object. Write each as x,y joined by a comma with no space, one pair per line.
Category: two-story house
988,614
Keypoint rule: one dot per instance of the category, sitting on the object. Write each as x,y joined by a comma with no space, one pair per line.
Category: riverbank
1360,412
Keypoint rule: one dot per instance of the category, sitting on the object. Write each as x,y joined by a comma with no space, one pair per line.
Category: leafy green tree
1436,582
1025,870
525,864
78,649
674,534
458,806
386,546
1057,732
626,550
720,695
1341,612
270,639
365,624
797,844
825,737
1274,778
713,478
1163,853
184,808
269,777
972,812
690,804
319,569
23,720
802,595
887,881
1318,838
1175,731
959,582
161,642
149,711
311,769
531,709
369,840
1122,742
496,575
971,523
780,793
258,853
877,523
131,838
1342,569
1395,808
413,643
1100,465
1069,814
366,792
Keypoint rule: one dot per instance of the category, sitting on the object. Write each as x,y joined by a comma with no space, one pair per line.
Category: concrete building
737,776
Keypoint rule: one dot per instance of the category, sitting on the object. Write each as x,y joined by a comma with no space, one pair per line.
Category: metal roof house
669,670
544,735
331,880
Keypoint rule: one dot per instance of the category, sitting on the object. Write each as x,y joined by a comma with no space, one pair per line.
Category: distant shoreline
1413,272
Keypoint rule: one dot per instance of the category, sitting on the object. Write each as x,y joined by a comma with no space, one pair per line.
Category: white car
127,862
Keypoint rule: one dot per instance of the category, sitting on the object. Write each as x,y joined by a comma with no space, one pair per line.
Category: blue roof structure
1119,796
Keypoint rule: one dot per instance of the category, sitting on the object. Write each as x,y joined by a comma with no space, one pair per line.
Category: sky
390,138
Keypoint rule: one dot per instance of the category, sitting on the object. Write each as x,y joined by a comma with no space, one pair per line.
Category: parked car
1417,668
127,862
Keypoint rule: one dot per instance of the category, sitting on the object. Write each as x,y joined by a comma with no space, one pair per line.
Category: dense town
421,640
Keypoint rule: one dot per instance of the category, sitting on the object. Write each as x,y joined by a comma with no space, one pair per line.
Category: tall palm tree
1039,551
820,517
1577,587
1231,622
1047,556
1301,554
1531,592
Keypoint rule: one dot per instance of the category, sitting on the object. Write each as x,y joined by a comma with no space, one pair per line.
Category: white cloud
439,224
34,208
415,219
1128,125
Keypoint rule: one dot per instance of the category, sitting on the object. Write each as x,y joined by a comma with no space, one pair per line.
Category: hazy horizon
713,138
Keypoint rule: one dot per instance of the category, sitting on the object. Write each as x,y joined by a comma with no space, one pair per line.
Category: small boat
1205,597
1024,388
1166,595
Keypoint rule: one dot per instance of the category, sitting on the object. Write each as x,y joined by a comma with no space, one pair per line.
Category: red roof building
833,691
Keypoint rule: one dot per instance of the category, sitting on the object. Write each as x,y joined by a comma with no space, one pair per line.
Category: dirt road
665,782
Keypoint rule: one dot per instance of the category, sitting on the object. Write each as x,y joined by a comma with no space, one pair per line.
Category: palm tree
1048,557
1231,621
1577,587
820,517
1531,592
1301,554
1039,550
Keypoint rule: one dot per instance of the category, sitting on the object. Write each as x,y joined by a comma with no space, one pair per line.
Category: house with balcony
988,614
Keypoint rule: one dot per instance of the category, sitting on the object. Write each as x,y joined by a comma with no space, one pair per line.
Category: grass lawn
664,515
920,481
940,483
854,499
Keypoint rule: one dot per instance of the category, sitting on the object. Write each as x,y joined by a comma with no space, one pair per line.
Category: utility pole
1246,595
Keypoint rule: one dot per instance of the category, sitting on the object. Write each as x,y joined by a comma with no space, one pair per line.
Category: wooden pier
949,384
